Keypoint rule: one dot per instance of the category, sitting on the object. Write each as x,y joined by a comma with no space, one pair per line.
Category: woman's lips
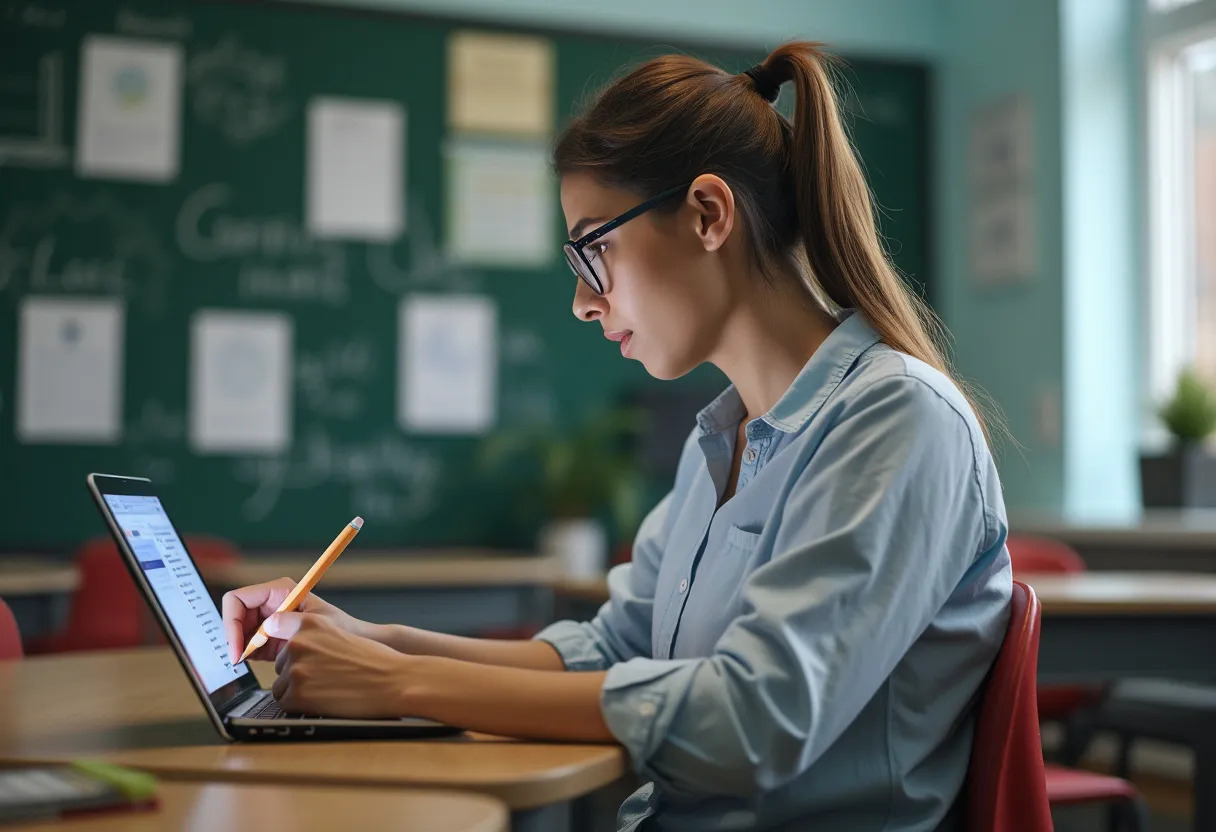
624,336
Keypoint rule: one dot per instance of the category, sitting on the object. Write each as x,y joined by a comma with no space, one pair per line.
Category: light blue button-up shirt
808,655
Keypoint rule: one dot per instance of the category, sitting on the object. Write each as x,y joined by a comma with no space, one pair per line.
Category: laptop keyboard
269,708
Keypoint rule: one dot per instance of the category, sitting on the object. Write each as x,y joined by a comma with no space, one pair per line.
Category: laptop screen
180,590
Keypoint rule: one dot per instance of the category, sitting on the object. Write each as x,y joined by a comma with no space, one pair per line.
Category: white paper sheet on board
447,364
501,204
356,168
240,382
500,84
129,115
69,370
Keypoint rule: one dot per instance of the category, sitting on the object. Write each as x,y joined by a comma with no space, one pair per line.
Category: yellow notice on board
500,84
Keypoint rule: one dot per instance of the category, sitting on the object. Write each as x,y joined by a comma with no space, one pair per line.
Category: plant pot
580,543
1185,477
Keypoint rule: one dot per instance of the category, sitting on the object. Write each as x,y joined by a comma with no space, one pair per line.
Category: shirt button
646,709
750,454
683,584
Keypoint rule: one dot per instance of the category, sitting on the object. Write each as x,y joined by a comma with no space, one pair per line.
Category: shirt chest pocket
715,599
741,539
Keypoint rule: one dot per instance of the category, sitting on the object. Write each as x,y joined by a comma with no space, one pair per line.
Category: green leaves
582,471
1191,414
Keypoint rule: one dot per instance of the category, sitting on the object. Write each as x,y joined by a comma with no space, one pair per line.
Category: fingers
284,625
237,604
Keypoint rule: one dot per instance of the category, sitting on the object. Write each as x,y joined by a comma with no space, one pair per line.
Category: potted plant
1184,476
584,475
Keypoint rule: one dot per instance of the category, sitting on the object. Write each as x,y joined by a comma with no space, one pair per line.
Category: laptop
239,708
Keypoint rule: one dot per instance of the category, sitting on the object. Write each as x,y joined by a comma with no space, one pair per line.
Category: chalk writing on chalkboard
238,91
271,257
37,15
528,403
87,245
401,472
427,266
328,380
522,346
156,424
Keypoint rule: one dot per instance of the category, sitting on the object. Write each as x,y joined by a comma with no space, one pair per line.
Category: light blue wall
1008,341
1103,263
887,27
1059,353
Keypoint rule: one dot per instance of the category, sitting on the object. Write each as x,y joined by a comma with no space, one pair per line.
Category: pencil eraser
357,523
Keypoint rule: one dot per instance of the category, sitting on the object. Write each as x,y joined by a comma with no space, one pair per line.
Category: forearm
531,655
509,701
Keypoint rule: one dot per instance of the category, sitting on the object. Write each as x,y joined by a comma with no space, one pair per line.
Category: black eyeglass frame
575,247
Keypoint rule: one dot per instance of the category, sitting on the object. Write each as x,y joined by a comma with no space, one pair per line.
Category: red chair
1006,789
10,636
1041,554
208,549
1069,786
1074,787
105,611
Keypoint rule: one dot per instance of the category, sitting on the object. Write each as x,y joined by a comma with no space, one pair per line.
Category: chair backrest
1028,553
206,549
106,607
1006,787
10,636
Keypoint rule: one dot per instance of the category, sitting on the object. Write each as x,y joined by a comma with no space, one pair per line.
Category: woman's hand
246,608
325,670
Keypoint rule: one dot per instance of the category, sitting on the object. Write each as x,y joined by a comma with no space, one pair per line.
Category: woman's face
660,290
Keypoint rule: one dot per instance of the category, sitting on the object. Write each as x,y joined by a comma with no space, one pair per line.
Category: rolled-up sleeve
621,629
876,531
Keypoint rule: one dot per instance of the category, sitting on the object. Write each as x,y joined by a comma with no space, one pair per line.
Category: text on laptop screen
177,585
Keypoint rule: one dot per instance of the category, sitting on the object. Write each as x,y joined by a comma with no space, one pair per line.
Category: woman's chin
663,370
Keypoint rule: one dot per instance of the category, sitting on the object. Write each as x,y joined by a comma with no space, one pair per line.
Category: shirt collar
811,387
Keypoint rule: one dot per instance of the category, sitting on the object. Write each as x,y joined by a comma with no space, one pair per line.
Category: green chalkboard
228,232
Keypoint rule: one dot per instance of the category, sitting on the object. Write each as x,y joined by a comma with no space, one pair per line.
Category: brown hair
800,189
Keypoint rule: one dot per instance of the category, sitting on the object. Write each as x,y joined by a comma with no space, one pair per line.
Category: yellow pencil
308,581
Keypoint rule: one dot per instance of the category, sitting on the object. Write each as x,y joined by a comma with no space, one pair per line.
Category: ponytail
836,214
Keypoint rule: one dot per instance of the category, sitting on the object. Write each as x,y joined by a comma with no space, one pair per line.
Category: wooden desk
194,807
37,590
1124,593
466,591
135,707
33,576
362,569
1182,540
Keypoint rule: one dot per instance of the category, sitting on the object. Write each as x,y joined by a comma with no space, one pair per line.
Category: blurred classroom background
301,261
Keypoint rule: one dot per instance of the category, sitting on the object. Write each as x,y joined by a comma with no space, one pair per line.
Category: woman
799,640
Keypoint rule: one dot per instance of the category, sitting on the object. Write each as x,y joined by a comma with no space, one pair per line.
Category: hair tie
765,84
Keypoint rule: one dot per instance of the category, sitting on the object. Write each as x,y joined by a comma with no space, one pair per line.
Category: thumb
283,624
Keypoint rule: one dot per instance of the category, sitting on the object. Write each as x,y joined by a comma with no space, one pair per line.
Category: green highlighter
79,787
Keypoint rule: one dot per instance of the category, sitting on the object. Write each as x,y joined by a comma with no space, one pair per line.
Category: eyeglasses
580,264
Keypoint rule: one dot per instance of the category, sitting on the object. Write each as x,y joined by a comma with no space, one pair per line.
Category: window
1202,68
1181,62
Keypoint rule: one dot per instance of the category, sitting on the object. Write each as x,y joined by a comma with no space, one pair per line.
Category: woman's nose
588,306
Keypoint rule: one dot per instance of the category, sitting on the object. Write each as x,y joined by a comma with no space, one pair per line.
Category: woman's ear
713,205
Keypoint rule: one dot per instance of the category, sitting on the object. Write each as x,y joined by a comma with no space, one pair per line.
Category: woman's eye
596,249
